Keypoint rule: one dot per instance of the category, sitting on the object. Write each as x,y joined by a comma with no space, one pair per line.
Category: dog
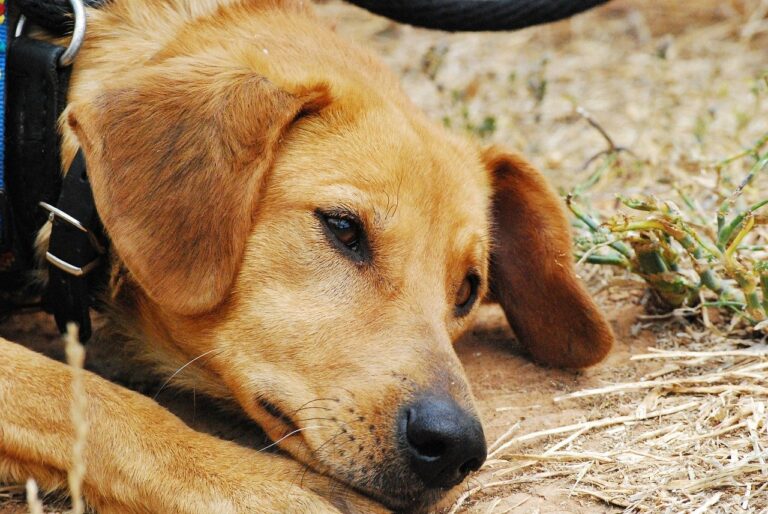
287,227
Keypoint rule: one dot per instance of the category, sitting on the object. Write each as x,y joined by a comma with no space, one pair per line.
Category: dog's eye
466,294
346,232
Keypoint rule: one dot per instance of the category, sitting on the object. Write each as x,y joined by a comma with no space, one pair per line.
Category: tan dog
276,204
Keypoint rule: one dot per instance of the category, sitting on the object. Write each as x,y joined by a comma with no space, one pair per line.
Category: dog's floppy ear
532,274
176,162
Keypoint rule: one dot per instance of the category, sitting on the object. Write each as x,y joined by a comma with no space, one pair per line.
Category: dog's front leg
139,457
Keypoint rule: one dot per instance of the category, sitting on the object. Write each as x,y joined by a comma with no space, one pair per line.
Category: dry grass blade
755,351
712,500
700,456
729,476
78,413
33,501
677,382
589,425
601,496
559,457
496,484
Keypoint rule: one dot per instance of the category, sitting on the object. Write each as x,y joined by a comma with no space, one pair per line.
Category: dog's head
316,246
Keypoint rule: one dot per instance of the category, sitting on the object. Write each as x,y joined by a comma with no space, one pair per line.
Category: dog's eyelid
467,293
340,212
346,231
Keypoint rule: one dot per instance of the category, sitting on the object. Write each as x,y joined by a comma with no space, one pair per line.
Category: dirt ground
676,84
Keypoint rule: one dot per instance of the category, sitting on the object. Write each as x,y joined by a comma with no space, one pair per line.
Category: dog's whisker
319,418
343,424
307,408
289,434
291,422
314,453
305,405
331,440
182,368
318,400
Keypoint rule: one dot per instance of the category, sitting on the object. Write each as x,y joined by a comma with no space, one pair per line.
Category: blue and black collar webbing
4,222
13,261
3,47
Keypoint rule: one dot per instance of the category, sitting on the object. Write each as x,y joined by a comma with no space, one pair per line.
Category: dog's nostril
430,449
424,443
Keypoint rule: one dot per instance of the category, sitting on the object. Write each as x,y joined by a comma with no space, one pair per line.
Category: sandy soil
649,72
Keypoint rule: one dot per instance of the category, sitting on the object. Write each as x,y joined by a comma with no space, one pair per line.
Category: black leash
476,15
453,15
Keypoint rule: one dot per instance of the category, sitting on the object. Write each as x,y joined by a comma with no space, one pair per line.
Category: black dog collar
74,251
37,83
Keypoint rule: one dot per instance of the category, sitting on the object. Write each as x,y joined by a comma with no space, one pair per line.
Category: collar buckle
74,250
78,271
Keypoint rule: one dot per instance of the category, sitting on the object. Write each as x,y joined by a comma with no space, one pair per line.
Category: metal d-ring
78,33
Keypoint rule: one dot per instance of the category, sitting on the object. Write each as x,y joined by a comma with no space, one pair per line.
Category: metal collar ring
78,32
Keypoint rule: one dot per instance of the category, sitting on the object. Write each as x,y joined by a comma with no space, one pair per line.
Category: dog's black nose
444,441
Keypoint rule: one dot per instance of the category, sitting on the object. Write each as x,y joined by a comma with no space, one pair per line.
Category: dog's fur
213,131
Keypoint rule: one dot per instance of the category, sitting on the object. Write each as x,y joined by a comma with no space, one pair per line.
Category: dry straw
78,413
33,501
684,448
75,354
